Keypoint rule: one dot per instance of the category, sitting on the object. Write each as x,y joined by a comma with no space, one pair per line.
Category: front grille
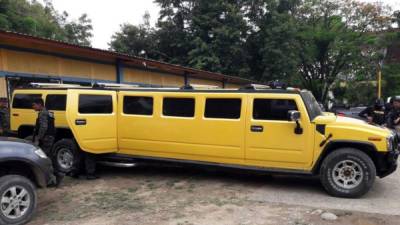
395,142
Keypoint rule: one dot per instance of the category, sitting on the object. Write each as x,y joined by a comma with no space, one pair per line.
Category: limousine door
271,140
91,115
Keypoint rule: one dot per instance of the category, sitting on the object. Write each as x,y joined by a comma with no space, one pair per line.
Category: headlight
40,153
389,142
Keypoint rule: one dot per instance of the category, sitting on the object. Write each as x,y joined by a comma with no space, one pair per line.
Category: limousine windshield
312,105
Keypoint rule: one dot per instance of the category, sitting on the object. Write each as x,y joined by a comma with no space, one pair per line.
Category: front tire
66,156
348,173
18,200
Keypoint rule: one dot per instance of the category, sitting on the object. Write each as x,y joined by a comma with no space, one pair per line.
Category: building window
56,102
226,108
24,101
180,107
273,109
95,104
138,105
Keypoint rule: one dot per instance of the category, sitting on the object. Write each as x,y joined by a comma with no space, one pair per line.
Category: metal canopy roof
54,46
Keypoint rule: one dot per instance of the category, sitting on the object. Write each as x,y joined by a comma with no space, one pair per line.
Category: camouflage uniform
44,131
4,121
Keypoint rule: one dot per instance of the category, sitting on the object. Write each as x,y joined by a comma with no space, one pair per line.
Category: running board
117,164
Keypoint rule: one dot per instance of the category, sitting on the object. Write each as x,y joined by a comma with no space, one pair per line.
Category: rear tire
18,200
348,173
66,156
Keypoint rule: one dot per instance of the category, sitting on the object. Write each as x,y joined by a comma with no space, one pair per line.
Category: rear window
223,108
180,107
24,101
138,105
95,104
56,102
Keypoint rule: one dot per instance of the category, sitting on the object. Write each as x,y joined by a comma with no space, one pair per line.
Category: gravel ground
185,196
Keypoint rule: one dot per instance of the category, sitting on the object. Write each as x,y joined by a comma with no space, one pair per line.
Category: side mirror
295,115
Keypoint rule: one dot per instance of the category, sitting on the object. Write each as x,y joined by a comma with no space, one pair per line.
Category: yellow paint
184,136
149,77
99,135
27,117
205,82
295,151
344,128
3,87
213,140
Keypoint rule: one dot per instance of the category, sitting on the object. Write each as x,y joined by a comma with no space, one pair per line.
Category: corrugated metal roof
145,63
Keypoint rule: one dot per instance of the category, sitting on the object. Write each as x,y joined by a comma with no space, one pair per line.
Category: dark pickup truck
23,168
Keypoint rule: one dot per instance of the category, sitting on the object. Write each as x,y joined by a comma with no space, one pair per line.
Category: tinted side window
56,102
272,109
182,107
223,108
95,104
138,105
24,101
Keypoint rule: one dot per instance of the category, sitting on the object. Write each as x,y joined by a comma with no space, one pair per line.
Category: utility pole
379,75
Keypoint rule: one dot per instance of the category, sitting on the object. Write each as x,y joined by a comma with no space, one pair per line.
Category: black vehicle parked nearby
352,112
23,168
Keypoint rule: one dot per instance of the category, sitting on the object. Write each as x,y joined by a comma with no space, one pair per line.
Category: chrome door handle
80,122
256,128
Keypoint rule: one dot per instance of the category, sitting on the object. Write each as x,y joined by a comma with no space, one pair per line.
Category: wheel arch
25,131
330,147
64,133
22,168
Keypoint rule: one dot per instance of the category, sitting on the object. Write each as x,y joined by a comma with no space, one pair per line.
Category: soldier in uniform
393,118
4,117
375,114
44,132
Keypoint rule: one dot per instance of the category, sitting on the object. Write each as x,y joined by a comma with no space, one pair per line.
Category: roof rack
54,85
255,87
199,87
114,85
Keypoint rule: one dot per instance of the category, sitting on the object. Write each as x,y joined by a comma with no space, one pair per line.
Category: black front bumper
387,163
45,173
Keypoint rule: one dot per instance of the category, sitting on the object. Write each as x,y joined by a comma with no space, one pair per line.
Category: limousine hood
345,128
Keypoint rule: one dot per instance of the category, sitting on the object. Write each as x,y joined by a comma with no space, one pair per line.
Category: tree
272,46
335,43
31,17
312,43
79,32
135,40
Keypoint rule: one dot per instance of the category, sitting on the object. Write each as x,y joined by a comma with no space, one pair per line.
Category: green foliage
391,75
31,17
356,93
310,43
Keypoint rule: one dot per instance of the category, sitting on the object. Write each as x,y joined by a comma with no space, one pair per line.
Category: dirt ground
181,196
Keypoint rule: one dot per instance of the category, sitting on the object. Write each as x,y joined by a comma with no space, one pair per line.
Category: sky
107,16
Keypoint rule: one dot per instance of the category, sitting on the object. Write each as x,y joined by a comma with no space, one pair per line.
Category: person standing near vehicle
393,118
44,132
374,114
4,117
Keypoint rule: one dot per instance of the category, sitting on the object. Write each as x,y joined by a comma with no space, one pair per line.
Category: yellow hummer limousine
263,129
